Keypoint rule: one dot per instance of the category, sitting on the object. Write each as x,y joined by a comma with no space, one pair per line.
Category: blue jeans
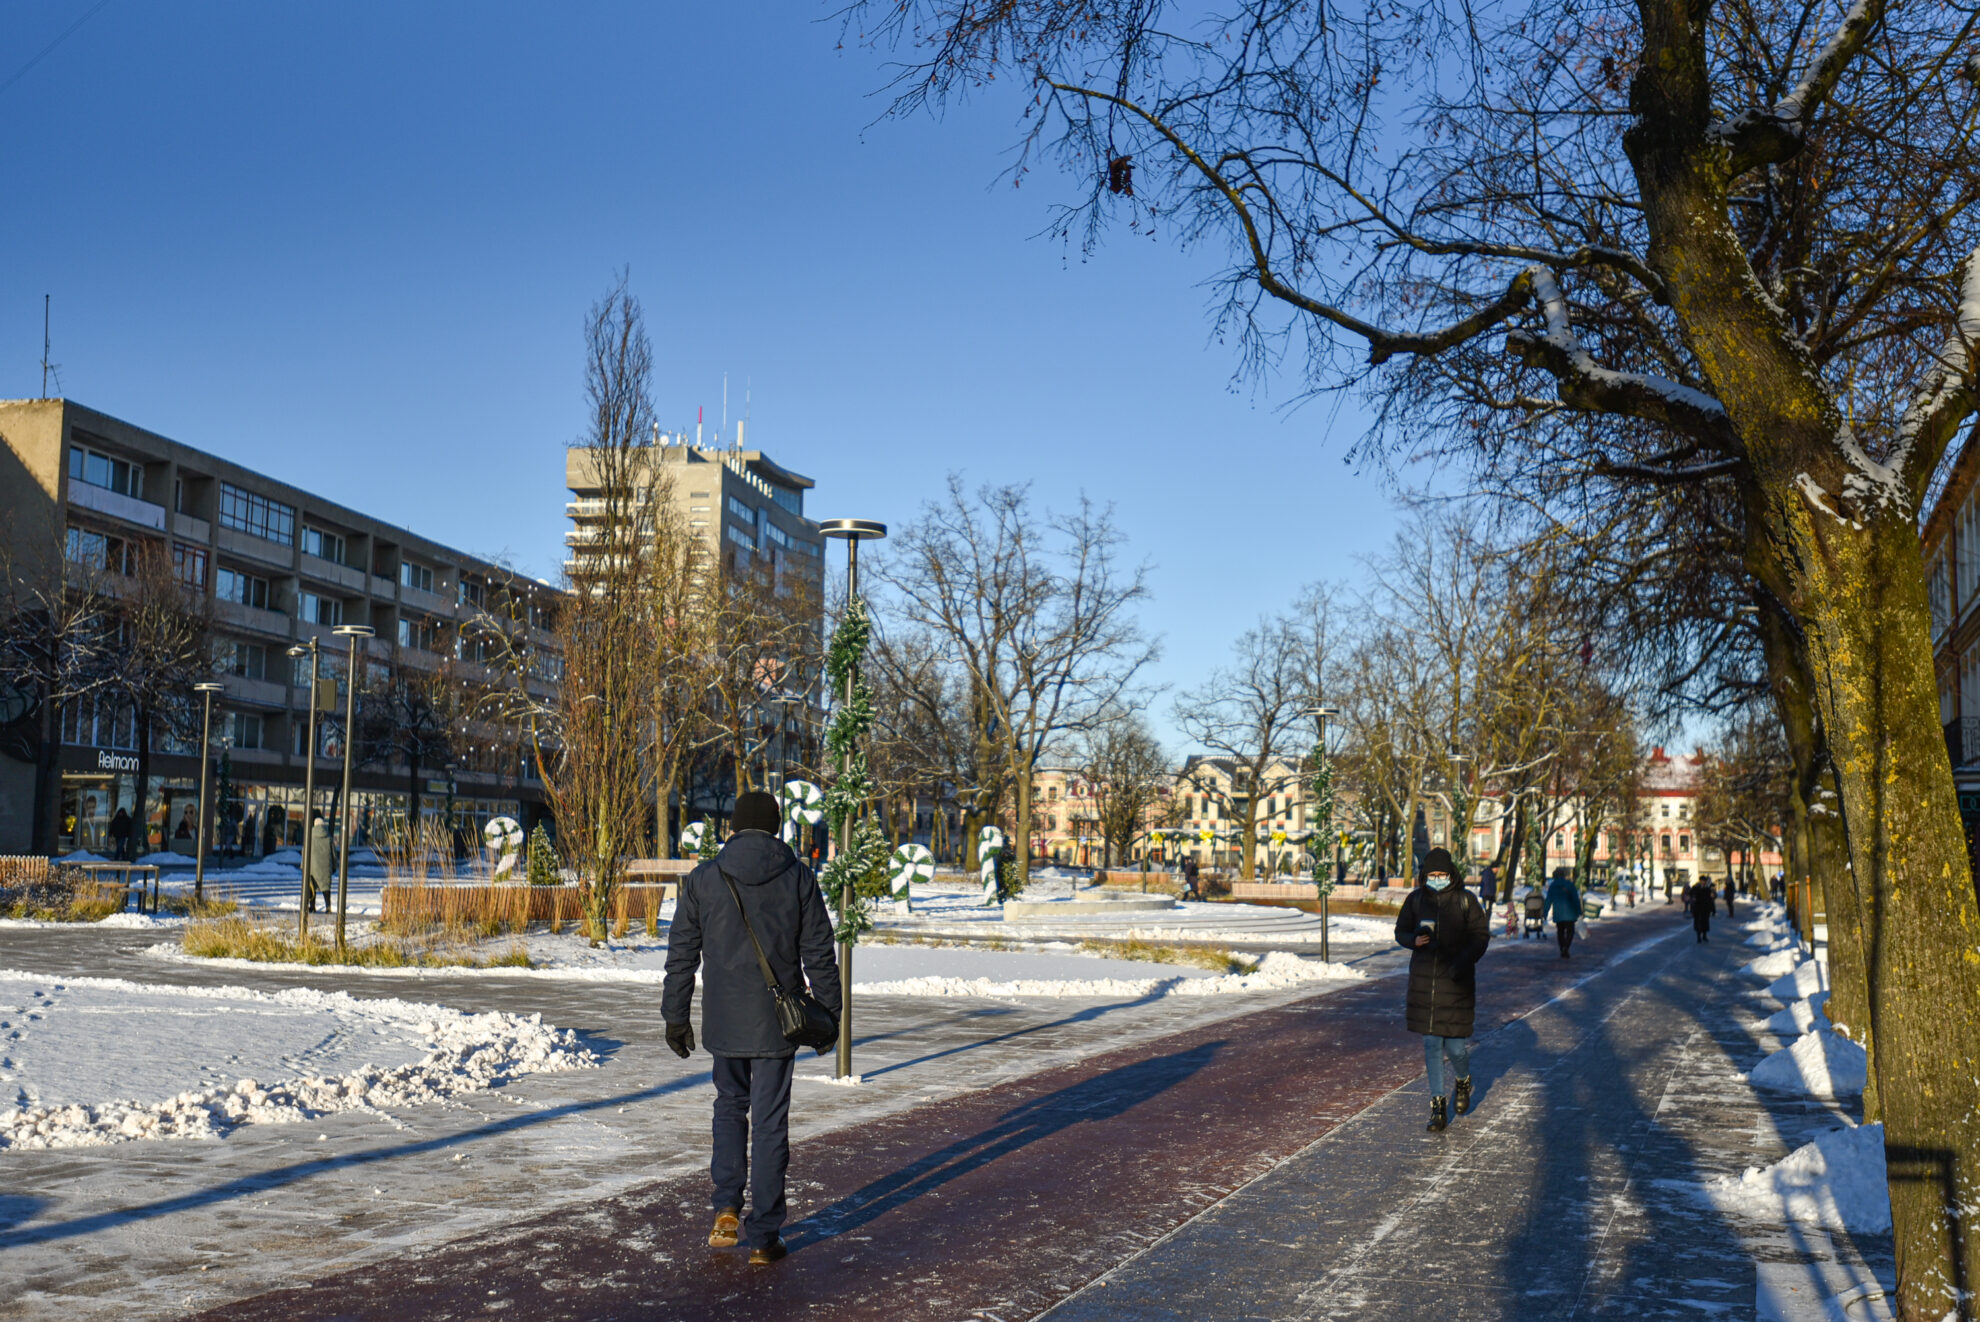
1436,1050
753,1139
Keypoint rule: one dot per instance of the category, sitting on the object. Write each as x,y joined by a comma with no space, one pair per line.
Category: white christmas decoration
504,837
804,805
989,844
691,836
911,863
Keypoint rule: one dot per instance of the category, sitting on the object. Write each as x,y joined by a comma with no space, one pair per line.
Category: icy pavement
152,1229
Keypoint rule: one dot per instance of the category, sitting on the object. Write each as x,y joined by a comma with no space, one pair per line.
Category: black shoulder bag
802,1017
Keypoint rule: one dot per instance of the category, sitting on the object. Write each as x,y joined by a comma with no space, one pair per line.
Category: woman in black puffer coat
1443,927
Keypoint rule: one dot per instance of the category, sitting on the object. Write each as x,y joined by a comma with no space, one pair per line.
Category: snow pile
1806,980
166,858
1805,1016
70,1040
1277,970
1837,1183
1769,967
1769,938
1822,1063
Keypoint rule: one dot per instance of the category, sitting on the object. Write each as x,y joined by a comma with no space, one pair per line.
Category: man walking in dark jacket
757,873
1443,927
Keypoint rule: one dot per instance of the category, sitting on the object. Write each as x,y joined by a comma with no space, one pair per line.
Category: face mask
1438,883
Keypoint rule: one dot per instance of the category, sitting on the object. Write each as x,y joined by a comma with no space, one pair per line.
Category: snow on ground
86,1060
1821,1063
1803,1016
1837,1183
1806,980
1769,967
1277,970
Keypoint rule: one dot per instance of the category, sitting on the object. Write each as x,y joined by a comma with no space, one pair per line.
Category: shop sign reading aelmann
109,761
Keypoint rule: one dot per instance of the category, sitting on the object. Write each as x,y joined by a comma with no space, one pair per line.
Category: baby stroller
1536,914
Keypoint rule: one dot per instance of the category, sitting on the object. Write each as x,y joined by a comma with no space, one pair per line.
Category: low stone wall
1274,890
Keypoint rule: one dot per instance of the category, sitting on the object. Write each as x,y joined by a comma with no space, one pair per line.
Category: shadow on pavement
1099,1098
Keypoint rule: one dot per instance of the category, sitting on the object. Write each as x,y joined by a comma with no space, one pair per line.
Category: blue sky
352,245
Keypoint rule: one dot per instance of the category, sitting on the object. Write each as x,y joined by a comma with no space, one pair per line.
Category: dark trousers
1564,933
753,1140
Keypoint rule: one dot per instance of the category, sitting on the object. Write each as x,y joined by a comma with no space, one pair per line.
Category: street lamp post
854,531
206,691
357,633
1320,713
299,651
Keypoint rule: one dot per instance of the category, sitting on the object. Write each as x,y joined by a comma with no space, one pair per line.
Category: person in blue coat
1564,906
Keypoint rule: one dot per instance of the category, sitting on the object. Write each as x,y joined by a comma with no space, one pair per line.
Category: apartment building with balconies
278,567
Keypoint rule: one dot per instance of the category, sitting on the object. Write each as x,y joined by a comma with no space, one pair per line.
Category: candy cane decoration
989,844
691,837
911,863
803,806
504,836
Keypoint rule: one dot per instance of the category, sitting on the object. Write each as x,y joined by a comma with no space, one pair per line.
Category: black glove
681,1038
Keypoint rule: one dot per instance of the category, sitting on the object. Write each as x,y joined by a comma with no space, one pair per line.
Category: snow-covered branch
1766,135
1586,384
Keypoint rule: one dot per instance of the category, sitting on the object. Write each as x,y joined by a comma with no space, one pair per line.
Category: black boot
1439,1118
1461,1095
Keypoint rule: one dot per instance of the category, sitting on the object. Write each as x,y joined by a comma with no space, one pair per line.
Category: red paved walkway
997,1203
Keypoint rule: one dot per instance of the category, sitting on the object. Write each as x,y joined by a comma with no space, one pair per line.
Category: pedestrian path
1272,1165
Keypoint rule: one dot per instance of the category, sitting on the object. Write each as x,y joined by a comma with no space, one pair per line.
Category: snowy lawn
88,1061
1276,971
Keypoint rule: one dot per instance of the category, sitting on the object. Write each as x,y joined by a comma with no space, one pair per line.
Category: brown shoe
728,1222
768,1253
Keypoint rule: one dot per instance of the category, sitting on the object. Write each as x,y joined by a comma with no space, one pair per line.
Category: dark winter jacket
318,860
1702,899
1442,978
738,1015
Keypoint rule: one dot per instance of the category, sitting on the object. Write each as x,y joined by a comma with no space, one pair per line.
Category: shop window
257,515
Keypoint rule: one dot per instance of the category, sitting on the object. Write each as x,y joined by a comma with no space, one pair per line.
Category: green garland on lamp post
856,872
1321,786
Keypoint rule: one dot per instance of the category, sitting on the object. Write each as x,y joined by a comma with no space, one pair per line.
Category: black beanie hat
755,811
1439,860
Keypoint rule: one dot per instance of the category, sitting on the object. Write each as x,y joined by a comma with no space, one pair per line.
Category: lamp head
853,530
355,631
209,687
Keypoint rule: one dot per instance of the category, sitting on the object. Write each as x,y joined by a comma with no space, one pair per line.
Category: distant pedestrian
316,863
1564,906
1488,890
1778,887
1191,890
120,836
1443,927
1701,900
1729,895
756,884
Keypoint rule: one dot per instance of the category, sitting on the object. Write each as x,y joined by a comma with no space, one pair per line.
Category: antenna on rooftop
47,367
725,405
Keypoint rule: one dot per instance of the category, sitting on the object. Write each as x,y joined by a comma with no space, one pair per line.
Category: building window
1684,844
324,545
100,470
319,609
1666,843
100,551
242,589
415,576
257,515
248,660
189,563
743,510
468,592
777,536
738,536
92,722
244,728
418,633
790,500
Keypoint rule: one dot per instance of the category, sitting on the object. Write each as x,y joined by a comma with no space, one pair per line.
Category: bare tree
1131,778
1038,614
1252,712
